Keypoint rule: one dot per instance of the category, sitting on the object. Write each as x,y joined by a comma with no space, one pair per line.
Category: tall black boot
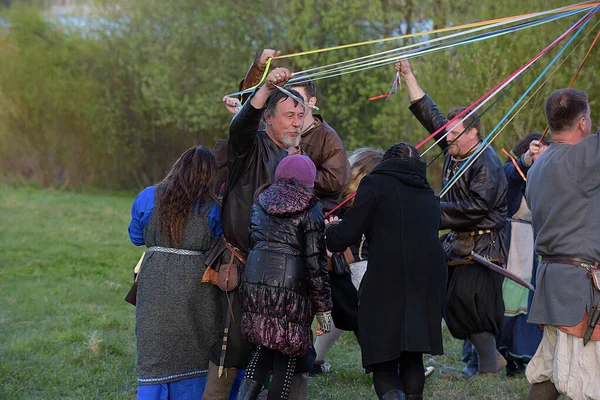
414,397
394,395
249,390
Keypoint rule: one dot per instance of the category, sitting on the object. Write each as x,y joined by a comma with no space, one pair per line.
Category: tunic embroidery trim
202,371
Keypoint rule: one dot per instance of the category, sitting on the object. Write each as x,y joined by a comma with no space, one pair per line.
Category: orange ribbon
519,170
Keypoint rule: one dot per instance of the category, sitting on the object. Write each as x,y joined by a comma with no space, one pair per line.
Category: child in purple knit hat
285,283
298,167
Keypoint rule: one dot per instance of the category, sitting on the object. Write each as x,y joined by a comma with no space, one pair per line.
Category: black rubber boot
394,395
249,390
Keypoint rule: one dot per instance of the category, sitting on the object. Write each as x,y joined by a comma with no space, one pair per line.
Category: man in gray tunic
563,193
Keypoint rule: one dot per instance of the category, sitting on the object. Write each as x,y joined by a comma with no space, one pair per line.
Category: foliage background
110,101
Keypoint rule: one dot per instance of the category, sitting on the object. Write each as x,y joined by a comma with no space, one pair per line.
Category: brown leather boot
218,388
543,391
501,361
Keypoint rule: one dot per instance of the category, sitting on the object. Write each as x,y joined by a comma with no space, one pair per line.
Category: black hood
410,171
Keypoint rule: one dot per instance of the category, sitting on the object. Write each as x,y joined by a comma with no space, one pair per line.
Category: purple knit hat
297,167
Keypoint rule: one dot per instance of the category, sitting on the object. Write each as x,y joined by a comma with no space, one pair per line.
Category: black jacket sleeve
430,116
316,261
243,129
483,188
356,220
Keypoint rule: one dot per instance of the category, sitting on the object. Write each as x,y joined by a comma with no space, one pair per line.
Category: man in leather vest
474,210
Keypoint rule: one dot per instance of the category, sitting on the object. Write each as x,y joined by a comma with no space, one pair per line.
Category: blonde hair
362,161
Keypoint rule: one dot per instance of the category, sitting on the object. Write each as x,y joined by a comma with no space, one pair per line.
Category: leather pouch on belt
213,258
229,277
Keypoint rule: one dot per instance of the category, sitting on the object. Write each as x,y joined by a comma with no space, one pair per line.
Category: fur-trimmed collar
286,197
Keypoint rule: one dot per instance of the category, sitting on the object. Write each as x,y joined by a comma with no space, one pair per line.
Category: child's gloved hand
325,321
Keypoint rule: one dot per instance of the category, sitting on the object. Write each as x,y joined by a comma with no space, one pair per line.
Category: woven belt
577,262
175,251
480,232
463,234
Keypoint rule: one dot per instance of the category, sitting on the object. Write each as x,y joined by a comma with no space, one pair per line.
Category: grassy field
66,333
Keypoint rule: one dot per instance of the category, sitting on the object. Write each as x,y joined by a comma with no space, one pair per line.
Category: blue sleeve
141,211
214,220
512,174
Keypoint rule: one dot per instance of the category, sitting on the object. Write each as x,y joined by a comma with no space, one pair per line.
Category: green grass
66,333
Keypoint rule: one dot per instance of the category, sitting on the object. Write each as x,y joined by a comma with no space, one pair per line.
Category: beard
290,141
454,150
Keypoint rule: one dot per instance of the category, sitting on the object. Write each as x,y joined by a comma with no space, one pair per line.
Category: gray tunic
564,198
177,316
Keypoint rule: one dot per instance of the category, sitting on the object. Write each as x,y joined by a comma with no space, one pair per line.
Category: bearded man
318,139
252,157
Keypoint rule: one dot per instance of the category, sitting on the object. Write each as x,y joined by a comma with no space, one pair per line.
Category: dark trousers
404,373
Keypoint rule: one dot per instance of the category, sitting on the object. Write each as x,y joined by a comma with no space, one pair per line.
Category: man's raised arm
256,70
244,126
421,105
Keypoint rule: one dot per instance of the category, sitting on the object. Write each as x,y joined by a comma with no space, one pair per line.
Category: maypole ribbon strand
376,60
495,90
440,30
347,199
493,34
381,56
514,161
391,58
488,108
484,144
576,74
484,27
508,89
578,26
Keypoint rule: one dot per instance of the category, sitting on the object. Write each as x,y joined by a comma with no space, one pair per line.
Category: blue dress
190,388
